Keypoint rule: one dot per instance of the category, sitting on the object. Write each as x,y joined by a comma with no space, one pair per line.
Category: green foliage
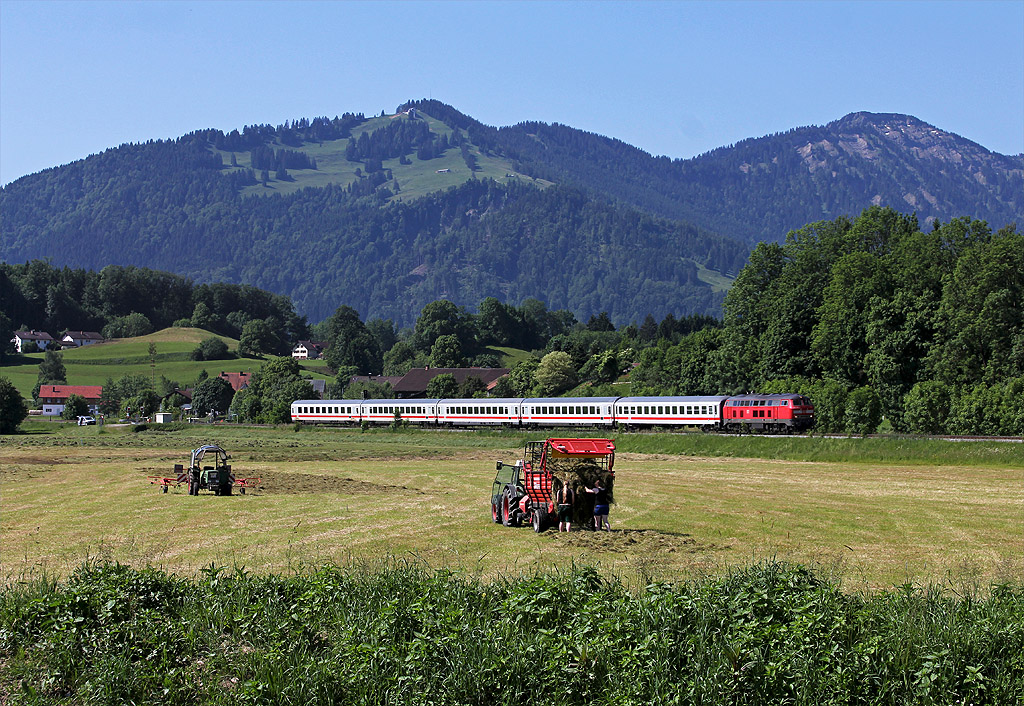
443,385
767,633
12,407
129,390
351,343
51,369
446,352
144,404
130,326
520,380
555,373
258,339
212,395
74,407
50,298
271,391
926,407
212,348
863,411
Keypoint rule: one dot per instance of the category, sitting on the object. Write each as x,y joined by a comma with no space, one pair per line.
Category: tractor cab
208,469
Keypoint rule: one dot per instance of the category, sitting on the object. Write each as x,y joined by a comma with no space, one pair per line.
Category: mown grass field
872,513
92,365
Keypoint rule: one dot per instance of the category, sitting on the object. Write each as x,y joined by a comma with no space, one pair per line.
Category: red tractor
523,492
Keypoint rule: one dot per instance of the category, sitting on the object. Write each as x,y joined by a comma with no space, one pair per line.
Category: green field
873,513
92,365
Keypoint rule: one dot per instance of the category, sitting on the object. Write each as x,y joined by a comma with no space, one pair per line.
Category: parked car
86,421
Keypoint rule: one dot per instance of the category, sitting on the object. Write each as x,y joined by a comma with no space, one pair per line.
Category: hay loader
523,492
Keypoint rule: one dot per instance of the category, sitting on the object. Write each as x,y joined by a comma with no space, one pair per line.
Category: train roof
483,400
568,400
773,396
676,399
394,400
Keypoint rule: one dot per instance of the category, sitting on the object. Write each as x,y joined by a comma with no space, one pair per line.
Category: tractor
523,492
217,477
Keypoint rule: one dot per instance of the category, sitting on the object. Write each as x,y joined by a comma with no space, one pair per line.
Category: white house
81,338
310,350
41,339
53,397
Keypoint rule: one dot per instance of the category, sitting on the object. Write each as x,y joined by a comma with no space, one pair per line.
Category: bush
212,348
12,407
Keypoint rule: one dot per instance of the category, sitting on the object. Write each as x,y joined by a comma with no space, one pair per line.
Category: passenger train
779,413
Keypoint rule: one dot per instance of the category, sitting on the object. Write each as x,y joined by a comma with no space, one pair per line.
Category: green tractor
216,477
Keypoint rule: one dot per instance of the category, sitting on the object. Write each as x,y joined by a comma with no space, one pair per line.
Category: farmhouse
238,381
81,338
40,338
414,383
309,350
53,397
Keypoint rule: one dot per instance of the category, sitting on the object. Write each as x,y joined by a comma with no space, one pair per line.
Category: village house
81,338
309,350
40,338
238,381
413,385
53,397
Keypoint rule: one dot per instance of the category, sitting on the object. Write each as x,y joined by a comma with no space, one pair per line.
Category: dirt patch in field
302,483
630,540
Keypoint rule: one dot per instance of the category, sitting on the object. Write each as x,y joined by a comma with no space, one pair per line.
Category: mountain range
389,212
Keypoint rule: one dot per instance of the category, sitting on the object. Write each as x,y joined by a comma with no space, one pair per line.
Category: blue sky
674,78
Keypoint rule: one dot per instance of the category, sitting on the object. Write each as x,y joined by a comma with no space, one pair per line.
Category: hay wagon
524,492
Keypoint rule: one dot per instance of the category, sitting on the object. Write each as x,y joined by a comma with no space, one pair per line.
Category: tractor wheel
495,512
506,518
540,520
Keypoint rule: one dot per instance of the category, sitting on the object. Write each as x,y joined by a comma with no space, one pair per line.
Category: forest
176,207
205,206
121,302
760,188
873,318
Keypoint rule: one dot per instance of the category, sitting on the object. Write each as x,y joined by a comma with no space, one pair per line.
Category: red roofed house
53,397
238,381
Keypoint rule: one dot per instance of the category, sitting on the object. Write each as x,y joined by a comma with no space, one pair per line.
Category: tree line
122,302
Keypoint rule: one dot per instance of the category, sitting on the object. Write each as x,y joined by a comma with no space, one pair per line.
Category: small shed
163,417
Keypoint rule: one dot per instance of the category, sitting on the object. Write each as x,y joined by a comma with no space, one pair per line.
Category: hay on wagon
580,473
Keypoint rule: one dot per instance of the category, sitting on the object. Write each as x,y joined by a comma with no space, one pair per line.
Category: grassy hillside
92,365
415,180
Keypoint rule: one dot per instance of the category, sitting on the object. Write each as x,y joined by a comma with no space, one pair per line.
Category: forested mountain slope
316,210
760,189
388,213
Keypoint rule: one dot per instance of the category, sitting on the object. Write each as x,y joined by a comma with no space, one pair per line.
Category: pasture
94,364
868,513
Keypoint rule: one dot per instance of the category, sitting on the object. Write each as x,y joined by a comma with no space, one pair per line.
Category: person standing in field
565,498
600,506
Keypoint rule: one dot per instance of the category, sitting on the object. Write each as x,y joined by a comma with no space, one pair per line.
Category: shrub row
395,633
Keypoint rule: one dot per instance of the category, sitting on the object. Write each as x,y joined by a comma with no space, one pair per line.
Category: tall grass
397,633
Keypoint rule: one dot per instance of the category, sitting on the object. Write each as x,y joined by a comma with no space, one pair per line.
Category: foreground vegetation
396,633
